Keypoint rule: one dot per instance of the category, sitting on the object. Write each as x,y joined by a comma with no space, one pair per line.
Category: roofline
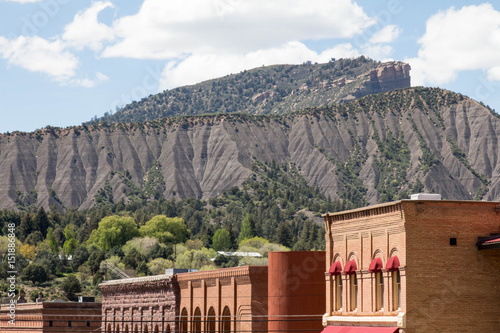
393,203
220,273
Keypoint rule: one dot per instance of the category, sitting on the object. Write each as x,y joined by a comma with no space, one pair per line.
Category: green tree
71,286
51,238
71,243
246,229
26,227
166,229
42,221
113,231
35,273
284,234
221,240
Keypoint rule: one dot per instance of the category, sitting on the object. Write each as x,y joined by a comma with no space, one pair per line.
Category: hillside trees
113,231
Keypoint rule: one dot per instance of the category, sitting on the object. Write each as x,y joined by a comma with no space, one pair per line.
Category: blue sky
62,62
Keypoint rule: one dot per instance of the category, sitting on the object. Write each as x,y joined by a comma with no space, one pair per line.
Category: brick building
224,300
145,304
49,317
414,266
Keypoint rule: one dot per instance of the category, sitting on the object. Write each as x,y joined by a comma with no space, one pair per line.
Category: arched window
109,328
350,269
197,321
117,328
126,328
168,329
393,267
210,321
226,320
136,329
336,270
157,330
146,330
376,268
184,321
353,286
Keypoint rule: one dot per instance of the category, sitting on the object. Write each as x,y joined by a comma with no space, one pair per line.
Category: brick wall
147,303
451,288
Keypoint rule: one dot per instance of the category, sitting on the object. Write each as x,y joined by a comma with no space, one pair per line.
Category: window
184,321
338,292
226,320
197,321
396,290
353,284
69,324
453,242
379,291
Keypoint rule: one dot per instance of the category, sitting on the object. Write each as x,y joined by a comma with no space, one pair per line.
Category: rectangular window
353,281
338,292
379,291
396,290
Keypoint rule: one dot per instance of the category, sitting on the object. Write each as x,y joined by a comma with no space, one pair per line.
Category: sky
63,62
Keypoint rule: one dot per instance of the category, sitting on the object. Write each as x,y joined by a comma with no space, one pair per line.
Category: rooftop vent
426,196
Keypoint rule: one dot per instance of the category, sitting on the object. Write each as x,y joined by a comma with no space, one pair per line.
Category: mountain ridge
273,89
377,148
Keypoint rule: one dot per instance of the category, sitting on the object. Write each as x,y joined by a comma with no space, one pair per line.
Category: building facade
49,317
413,266
224,300
145,304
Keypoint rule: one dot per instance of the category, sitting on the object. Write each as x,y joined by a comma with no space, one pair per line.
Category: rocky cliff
380,147
273,90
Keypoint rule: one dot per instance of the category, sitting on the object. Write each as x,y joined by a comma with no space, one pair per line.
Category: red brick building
50,317
224,300
146,304
414,266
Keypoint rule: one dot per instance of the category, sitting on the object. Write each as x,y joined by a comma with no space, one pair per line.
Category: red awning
358,329
350,267
392,264
376,265
336,268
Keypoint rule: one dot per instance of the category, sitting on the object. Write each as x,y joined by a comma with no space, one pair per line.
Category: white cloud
173,29
200,67
388,34
40,55
378,51
88,83
86,30
458,40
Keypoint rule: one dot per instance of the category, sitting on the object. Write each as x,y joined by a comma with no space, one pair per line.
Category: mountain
272,90
377,148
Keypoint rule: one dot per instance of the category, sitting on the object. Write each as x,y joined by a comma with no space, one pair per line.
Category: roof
151,278
241,254
395,203
488,243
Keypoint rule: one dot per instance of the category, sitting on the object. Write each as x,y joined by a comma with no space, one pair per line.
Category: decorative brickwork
440,281
148,304
224,300
49,317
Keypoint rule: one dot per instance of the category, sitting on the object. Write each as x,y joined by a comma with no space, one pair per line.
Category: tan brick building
49,317
414,266
145,304
224,300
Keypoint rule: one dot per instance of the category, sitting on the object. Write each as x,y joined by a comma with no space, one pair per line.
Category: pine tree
284,235
26,227
41,221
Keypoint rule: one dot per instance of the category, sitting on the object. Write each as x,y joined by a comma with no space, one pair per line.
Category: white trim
399,320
